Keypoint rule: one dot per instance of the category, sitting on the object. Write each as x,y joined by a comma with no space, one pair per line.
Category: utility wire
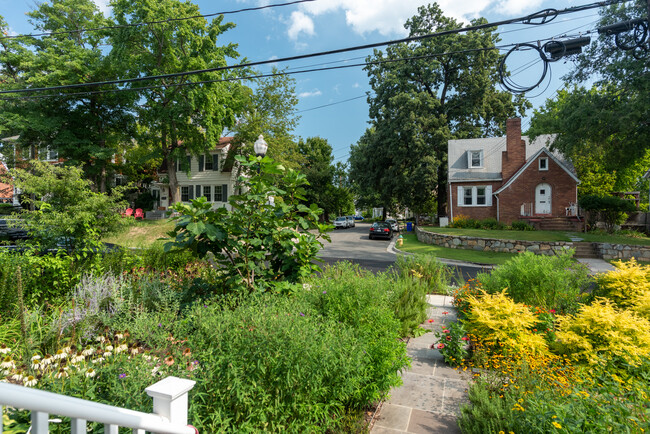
528,19
333,103
146,23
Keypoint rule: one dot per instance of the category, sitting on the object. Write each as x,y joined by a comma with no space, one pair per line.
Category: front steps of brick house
566,224
585,250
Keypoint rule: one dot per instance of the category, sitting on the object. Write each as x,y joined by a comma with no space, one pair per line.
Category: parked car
341,223
393,224
358,217
380,230
351,221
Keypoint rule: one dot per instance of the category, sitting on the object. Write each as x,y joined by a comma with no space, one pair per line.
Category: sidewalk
597,265
429,400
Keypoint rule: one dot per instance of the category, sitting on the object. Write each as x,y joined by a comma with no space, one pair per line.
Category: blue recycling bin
409,226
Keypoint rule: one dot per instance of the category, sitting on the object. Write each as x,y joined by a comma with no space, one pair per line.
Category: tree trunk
102,178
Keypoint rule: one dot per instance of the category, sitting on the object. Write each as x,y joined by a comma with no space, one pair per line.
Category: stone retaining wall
605,250
610,252
491,245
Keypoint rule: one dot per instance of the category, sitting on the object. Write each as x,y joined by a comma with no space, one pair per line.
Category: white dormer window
543,163
474,159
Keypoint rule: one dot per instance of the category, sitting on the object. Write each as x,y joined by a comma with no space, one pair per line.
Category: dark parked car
380,230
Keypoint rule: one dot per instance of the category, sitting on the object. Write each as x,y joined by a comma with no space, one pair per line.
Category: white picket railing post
170,398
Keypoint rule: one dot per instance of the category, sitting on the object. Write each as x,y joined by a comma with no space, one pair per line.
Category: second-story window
543,163
474,159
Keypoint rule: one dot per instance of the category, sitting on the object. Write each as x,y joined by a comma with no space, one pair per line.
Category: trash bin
409,226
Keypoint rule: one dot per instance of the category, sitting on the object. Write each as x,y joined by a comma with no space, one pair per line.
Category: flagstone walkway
429,400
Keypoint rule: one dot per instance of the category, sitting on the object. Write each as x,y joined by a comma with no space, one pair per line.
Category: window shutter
215,162
198,191
488,195
460,196
224,192
189,163
201,161
190,192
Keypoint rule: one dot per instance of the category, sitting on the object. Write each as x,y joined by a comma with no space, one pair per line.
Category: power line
146,23
528,19
331,104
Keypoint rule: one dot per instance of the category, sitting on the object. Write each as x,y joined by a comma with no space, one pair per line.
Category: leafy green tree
318,169
84,128
178,115
419,104
260,241
271,111
611,119
66,211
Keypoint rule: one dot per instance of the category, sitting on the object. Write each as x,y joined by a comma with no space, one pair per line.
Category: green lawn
412,245
540,235
142,233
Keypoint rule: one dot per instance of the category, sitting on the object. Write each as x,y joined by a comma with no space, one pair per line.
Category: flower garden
550,352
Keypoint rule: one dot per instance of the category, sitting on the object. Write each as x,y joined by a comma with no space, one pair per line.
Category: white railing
526,209
169,405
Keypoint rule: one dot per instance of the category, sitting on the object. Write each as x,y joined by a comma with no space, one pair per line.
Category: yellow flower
501,432
557,425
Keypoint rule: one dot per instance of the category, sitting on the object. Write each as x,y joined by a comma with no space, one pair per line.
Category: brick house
511,178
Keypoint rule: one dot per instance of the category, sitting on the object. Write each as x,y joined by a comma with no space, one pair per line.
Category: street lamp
260,146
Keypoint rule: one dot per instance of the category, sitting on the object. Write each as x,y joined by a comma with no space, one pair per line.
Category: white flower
98,360
61,374
119,336
8,363
18,376
135,350
88,351
306,286
109,347
60,354
100,339
120,348
30,381
47,360
78,358
90,373
4,349
107,354
155,370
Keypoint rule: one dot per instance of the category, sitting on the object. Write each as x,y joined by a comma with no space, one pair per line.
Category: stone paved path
430,398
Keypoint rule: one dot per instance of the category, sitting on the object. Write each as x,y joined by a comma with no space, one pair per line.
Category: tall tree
84,128
421,103
612,118
177,116
271,111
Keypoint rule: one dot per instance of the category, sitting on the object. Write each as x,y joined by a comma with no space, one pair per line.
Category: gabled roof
530,161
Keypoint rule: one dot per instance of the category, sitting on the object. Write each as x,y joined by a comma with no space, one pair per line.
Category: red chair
139,214
128,212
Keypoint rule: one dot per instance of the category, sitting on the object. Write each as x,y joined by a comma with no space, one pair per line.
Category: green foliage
462,221
427,269
67,212
600,330
418,106
452,343
520,225
257,243
612,210
279,364
551,282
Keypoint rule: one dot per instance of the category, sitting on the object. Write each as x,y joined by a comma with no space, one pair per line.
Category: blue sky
330,24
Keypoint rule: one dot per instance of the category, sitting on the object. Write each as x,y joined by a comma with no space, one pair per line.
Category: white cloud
356,85
314,92
388,16
300,23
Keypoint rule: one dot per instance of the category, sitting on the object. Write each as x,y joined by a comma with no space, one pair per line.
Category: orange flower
169,360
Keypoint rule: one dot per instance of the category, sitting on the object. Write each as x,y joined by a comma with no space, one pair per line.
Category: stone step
585,250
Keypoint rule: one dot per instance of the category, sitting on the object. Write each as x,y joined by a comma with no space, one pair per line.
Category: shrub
624,285
463,221
600,331
503,325
278,364
426,269
519,225
551,282
490,223
461,297
612,210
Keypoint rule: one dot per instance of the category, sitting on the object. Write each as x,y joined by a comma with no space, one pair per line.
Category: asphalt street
377,255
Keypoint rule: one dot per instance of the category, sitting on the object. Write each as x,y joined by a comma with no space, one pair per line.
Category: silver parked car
351,223
393,224
341,223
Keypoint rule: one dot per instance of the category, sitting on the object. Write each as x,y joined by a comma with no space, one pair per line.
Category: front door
543,199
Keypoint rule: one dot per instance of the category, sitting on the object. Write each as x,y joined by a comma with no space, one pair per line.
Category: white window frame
539,162
470,159
207,192
462,191
185,192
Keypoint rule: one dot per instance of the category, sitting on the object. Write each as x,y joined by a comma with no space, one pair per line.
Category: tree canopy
446,89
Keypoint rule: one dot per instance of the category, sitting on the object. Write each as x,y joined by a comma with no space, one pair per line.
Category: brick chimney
515,154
